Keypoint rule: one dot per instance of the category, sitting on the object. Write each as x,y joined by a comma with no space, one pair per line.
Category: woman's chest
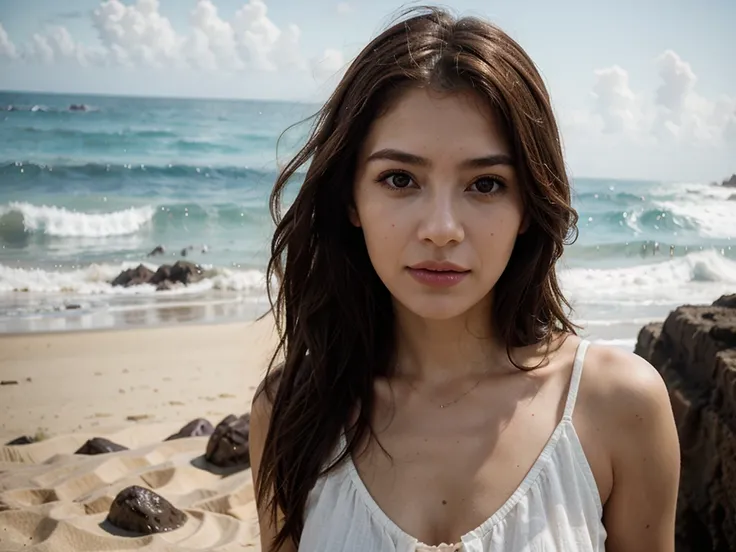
438,480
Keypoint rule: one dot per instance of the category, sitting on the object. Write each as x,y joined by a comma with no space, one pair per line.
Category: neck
437,351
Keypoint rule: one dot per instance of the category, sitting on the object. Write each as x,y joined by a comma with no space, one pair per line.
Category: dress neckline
521,490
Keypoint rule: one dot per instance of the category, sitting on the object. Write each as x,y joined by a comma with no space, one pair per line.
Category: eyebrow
411,159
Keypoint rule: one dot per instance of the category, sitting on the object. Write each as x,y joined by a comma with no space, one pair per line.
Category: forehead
426,122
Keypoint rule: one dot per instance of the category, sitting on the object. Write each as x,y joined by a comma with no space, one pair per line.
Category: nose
440,223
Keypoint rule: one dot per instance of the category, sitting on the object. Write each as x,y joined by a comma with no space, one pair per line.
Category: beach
135,387
139,186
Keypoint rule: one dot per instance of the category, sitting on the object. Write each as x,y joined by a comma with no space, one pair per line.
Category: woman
432,389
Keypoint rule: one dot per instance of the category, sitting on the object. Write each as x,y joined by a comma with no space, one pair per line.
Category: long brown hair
334,315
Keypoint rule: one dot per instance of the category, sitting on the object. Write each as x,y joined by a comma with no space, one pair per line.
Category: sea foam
61,222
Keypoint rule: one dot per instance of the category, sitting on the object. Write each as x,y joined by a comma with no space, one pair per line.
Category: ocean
89,185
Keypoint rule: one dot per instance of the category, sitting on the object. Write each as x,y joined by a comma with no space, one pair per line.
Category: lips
438,274
439,266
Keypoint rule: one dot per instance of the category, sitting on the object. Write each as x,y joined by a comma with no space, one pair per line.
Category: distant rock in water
196,428
158,250
731,182
78,107
695,351
140,510
99,445
229,444
181,272
22,440
133,276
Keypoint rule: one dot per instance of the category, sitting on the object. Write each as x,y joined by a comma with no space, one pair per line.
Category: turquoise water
89,185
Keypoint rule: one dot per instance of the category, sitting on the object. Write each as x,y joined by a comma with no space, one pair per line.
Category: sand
134,387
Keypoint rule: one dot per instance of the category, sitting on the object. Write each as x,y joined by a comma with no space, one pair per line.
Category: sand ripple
54,500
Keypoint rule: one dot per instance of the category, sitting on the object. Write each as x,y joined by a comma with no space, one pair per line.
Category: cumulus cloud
57,44
7,48
137,34
329,65
616,103
674,112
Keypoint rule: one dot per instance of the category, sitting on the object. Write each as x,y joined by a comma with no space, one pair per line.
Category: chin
439,308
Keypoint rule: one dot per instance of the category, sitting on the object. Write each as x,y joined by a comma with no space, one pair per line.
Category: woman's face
437,198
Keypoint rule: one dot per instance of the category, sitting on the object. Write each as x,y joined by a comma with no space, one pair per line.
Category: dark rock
186,250
140,510
9,382
158,250
728,301
182,271
695,351
133,277
23,440
99,445
73,306
166,285
196,428
228,445
731,182
162,274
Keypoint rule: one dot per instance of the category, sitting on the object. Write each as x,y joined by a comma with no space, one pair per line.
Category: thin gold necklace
445,405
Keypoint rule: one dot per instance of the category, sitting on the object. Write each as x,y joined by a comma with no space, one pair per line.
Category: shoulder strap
577,372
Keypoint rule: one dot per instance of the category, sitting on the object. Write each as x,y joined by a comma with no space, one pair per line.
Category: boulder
695,351
99,445
140,510
133,276
196,428
228,445
182,272
22,440
166,277
730,182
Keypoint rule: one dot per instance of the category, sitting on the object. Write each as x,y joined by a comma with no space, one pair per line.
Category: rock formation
139,510
730,182
695,351
228,445
99,445
181,272
22,440
196,428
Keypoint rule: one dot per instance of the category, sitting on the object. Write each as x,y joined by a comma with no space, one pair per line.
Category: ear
353,216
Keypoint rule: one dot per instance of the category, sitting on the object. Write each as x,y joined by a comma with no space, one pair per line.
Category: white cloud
139,35
7,48
212,44
56,44
678,82
329,65
344,8
675,112
616,103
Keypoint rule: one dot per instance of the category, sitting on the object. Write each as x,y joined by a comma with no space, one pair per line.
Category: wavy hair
333,314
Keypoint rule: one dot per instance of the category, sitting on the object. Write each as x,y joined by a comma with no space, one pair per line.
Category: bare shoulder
627,403
265,394
628,390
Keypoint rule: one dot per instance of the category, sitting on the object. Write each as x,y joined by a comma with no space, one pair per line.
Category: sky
641,89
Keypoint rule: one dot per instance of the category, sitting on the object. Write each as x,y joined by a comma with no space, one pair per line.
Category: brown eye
487,185
398,180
